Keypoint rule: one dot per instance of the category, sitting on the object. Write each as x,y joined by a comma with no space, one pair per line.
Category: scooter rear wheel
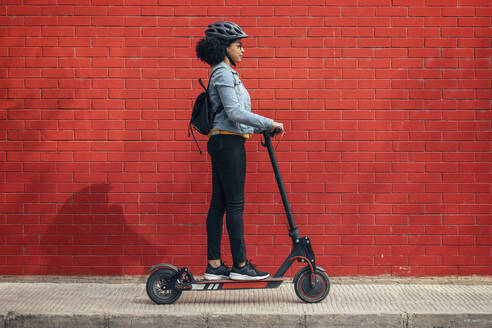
158,287
308,293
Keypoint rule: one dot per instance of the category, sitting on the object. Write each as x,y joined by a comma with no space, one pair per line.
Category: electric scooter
311,283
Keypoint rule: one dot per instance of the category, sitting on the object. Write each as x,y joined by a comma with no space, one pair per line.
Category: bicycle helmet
228,31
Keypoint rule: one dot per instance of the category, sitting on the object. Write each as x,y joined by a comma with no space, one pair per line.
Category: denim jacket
230,98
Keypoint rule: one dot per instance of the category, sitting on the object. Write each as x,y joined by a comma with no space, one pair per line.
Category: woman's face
236,51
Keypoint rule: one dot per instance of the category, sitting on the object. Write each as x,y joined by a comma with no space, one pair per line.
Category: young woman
222,49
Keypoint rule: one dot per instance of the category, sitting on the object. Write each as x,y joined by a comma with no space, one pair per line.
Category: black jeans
228,177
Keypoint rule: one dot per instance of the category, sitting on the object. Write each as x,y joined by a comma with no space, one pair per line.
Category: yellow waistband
217,131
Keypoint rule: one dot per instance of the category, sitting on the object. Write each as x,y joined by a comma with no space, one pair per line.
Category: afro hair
212,50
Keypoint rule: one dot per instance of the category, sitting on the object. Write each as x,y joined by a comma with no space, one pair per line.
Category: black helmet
225,30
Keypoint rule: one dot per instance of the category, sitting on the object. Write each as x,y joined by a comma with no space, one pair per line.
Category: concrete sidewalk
368,304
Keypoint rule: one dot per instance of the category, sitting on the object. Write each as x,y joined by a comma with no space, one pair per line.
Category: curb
209,320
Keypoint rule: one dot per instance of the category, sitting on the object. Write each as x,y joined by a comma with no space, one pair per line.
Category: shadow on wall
91,236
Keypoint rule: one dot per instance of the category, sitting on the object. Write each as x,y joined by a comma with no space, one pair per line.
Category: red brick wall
387,159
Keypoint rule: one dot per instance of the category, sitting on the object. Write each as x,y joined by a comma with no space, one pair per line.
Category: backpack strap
209,78
190,130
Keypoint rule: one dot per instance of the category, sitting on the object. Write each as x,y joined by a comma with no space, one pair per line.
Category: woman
222,49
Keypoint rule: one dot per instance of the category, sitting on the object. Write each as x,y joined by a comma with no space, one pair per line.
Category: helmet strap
230,59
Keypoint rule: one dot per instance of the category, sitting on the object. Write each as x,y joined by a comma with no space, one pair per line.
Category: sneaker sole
238,276
209,276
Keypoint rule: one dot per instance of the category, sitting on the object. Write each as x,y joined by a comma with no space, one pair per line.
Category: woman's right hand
277,125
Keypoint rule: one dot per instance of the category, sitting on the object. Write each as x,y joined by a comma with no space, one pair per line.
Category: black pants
228,177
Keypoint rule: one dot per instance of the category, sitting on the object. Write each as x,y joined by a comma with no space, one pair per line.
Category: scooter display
311,283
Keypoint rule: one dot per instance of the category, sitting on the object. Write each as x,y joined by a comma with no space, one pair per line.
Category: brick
475,21
441,21
375,42
424,32
24,10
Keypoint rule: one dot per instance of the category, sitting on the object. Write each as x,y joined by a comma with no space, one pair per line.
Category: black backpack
202,115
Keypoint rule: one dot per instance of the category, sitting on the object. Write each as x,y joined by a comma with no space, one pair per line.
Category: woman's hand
277,125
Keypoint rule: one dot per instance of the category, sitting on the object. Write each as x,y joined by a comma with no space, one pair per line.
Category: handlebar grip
270,134
276,131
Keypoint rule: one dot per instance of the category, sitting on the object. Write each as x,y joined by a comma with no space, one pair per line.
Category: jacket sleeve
224,82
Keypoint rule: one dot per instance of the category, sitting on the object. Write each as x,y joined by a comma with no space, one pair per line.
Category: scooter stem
293,231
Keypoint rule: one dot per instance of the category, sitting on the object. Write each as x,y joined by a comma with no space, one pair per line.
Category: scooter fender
163,265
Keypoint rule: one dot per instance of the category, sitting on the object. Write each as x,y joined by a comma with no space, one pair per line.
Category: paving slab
45,304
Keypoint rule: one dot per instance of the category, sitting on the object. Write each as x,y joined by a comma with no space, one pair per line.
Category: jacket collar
222,65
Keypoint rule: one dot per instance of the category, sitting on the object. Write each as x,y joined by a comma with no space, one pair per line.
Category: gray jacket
229,96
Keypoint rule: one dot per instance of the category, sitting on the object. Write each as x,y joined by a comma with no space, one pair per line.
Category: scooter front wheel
158,287
308,292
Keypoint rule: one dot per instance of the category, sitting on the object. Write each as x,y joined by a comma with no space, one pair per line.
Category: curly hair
212,50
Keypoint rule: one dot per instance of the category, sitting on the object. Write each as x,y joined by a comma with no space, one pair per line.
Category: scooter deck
236,284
